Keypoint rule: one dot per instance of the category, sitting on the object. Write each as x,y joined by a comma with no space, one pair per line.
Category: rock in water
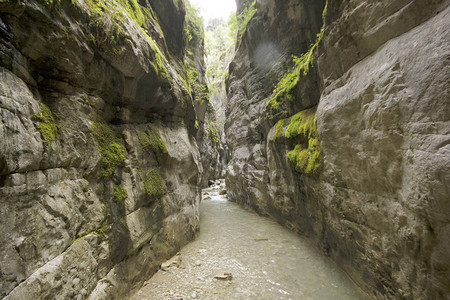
224,276
174,262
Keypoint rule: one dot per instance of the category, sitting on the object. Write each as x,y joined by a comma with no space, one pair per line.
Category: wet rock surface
240,255
100,170
379,204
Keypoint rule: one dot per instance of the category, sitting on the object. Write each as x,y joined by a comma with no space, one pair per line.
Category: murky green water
266,261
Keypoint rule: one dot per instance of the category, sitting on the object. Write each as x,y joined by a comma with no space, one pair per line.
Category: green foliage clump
193,27
298,158
120,193
151,140
285,87
153,183
99,231
238,23
52,3
111,148
134,10
278,129
201,93
302,123
48,128
306,156
102,230
213,131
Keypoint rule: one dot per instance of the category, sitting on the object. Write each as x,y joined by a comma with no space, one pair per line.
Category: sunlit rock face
100,170
378,83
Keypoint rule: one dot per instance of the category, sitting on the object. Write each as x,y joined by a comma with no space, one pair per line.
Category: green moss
100,231
151,141
213,131
278,129
193,27
315,158
324,12
242,21
302,123
120,193
306,156
48,128
153,183
200,91
52,3
298,158
159,62
284,89
134,10
111,148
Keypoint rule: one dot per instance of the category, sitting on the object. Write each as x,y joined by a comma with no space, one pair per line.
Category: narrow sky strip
211,9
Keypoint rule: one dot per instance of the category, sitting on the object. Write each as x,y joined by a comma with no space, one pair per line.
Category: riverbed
241,255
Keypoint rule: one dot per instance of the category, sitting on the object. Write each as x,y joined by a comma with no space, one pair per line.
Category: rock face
376,199
100,170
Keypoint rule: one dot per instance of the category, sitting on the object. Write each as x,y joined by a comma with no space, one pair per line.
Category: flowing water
266,261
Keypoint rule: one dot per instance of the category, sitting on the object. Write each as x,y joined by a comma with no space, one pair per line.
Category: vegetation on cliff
150,140
306,157
238,23
48,127
111,148
153,183
285,88
120,193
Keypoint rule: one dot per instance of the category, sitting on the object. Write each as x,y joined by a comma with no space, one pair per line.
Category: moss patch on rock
153,183
199,90
284,89
302,123
240,22
193,27
278,129
120,193
111,148
213,131
150,140
100,231
48,127
306,157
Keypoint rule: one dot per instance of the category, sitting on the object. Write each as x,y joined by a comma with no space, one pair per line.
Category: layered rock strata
100,169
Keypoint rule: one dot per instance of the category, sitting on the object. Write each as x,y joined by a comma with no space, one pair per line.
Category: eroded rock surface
378,85
100,170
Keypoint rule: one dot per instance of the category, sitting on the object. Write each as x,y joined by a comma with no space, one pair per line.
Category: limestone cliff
100,169
347,143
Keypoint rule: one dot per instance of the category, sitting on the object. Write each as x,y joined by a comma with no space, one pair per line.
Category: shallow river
266,261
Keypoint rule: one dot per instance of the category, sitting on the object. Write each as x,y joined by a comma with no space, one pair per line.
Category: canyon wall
100,169
348,143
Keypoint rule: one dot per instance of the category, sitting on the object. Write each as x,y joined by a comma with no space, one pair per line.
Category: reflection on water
266,261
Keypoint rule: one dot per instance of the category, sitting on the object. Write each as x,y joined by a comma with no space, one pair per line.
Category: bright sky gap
211,9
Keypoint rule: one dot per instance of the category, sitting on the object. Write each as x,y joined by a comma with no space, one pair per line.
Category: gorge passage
329,117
